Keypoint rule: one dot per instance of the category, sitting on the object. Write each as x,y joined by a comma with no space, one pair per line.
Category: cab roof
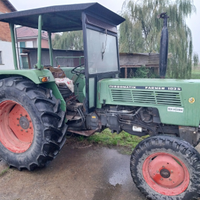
61,18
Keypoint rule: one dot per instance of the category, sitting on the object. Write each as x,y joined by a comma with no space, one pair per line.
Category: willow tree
142,29
72,40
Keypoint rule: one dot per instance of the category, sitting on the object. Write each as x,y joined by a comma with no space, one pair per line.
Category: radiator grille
122,96
146,97
168,98
143,97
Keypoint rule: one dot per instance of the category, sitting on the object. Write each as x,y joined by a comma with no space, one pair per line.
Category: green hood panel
177,100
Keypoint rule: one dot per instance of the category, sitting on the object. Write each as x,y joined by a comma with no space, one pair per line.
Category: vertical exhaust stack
163,46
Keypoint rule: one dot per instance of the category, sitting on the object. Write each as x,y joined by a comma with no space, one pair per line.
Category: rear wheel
166,168
32,129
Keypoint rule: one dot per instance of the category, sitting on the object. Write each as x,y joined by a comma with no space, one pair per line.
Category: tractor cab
99,26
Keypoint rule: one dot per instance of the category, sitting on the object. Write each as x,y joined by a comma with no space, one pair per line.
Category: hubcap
165,173
23,122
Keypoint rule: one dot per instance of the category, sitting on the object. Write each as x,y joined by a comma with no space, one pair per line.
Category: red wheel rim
16,130
166,174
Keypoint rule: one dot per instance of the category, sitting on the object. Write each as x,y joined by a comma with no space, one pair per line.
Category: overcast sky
114,5
194,23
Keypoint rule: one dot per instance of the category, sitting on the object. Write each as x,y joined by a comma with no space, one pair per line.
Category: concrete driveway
78,173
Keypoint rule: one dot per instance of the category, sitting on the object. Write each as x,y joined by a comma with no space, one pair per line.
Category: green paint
50,49
39,50
163,100
12,31
91,92
32,74
35,76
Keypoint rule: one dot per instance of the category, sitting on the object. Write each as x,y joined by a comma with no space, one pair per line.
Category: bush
144,72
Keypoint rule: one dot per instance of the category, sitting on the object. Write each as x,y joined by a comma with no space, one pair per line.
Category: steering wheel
77,72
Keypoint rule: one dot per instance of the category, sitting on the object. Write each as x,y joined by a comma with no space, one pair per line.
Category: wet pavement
78,173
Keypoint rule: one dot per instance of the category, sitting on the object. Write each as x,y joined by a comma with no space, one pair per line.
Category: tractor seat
56,72
60,78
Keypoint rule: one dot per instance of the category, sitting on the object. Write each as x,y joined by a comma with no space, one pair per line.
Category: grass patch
4,171
106,138
196,73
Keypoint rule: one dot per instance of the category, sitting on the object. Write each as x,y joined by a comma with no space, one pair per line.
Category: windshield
102,52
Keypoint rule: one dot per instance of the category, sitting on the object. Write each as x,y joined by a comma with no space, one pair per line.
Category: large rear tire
32,129
166,168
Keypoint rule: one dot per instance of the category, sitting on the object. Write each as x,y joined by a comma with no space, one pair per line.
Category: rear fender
36,77
32,74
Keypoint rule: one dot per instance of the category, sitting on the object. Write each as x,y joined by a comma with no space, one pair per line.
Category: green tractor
36,112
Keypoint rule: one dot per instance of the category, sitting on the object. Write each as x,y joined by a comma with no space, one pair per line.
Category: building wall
45,43
32,43
29,43
62,63
5,42
137,60
4,27
129,62
7,57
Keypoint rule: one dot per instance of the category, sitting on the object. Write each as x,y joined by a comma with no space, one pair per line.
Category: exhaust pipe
163,46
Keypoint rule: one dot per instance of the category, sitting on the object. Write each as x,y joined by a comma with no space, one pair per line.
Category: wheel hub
165,173
24,123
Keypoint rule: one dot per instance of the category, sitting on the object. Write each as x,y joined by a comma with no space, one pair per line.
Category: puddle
119,177
92,173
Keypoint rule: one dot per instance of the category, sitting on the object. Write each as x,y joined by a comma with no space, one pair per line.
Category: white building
6,56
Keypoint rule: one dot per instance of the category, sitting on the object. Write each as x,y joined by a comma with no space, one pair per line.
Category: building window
22,45
1,62
24,62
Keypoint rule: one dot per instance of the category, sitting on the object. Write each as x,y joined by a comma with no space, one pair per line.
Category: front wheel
166,168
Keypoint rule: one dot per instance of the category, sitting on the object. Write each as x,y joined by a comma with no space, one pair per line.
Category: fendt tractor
39,106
